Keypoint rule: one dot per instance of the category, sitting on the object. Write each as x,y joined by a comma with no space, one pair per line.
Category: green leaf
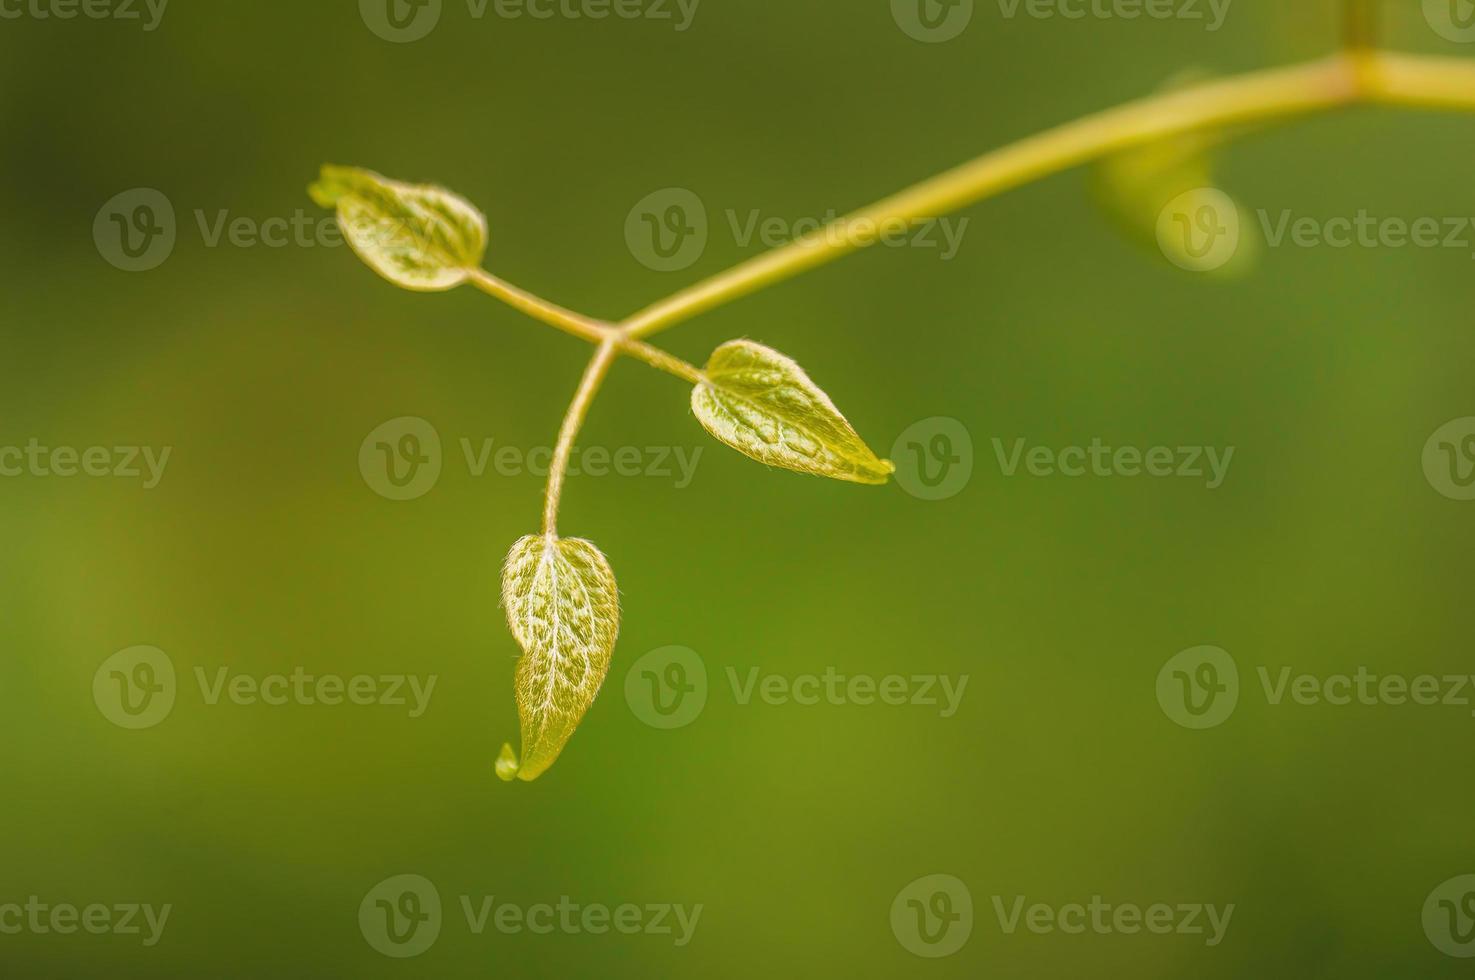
564,610
762,404
417,236
1165,196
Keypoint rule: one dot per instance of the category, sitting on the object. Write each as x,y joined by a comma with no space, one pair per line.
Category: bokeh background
264,549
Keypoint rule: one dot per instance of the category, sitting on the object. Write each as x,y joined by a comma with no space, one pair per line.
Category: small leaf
1165,196
564,610
762,404
417,236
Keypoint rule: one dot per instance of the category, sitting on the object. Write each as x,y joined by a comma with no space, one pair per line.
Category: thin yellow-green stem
661,360
540,309
1417,82
594,331
1274,94
1360,74
1262,95
573,421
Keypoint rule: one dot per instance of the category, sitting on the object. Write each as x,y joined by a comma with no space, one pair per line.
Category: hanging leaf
1165,195
417,236
762,404
564,610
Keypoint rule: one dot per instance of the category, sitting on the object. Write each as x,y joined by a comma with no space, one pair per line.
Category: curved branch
1341,80
573,421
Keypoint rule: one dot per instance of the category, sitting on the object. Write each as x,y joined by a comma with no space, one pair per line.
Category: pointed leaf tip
507,764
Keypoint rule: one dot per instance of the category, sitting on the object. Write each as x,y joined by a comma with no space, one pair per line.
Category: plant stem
661,360
589,329
1360,75
573,421
1359,24
1329,83
540,309
1418,82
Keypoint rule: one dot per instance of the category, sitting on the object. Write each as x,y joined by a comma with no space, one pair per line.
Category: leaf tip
332,183
507,765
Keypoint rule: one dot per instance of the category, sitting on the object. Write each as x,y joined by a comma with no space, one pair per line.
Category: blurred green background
264,549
